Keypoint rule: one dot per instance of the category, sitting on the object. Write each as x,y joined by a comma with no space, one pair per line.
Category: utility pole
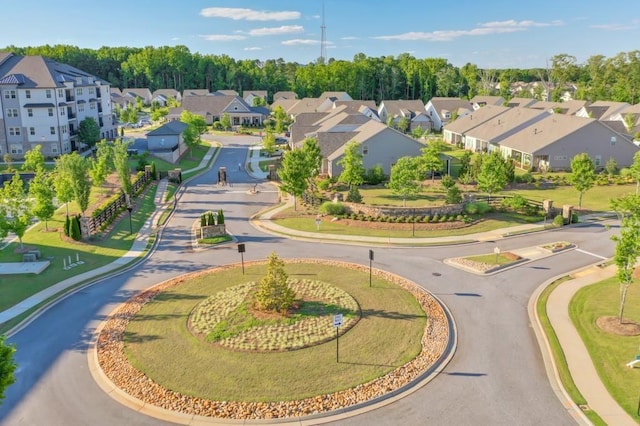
323,38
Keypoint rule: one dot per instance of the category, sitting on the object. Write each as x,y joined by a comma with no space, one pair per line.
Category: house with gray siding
167,141
456,131
441,111
551,143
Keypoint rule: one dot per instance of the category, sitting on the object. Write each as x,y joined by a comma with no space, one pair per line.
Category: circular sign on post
496,250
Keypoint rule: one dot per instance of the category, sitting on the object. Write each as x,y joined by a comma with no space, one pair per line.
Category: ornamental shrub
334,209
558,220
220,217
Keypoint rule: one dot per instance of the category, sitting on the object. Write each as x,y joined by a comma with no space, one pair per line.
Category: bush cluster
435,218
334,209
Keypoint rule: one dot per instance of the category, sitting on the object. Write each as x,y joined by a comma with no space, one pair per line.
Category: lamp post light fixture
129,209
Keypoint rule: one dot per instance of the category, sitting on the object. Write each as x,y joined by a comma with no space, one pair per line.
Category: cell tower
323,38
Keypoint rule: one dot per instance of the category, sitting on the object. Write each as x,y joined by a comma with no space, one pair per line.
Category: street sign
337,320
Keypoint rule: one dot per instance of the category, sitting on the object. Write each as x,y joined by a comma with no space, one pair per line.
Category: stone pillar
547,206
567,211
84,227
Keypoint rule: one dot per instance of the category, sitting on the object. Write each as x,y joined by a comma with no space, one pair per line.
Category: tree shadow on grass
391,315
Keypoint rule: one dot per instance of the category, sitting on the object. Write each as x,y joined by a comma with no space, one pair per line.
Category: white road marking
592,254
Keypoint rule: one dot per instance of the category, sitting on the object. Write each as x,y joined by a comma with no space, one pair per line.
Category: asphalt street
496,377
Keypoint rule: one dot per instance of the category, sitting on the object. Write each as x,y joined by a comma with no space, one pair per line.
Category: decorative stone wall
211,231
377,211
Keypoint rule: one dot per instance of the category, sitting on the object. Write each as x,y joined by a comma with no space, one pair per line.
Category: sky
490,34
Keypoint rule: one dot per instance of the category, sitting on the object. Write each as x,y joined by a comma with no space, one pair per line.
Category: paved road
496,377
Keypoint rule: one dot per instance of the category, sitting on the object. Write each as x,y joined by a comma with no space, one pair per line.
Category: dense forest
403,77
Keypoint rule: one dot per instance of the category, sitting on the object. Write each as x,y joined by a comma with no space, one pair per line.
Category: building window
79,91
80,108
30,112
50,111
16,149
92,90
48,92
598,161
27,93
52,130
613,140
9,94
64,129
32,131
60,93
365,149
92,105
14,131
12,112
63,111
54,149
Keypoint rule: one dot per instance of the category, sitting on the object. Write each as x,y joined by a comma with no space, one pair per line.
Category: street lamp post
129,209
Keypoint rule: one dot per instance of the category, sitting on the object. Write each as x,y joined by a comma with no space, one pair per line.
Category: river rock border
115,365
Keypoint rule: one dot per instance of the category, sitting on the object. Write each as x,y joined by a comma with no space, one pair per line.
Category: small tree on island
274,293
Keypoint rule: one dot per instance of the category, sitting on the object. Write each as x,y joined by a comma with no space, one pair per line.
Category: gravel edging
116,367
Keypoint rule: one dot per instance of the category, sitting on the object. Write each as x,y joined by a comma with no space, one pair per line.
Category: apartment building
42,102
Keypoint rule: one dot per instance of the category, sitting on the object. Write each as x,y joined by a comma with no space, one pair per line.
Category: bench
633,363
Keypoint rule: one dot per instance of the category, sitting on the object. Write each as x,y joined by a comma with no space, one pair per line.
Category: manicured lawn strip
383,196
492,259
158,342
610,352
215,240
15,288
597,198
307,224
264,164
558,353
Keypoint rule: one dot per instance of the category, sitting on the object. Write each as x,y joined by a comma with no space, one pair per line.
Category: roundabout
394,335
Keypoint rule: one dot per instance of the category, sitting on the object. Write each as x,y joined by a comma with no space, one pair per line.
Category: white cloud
238,14
285,29
350,38
223,37
252,49
613,27
487,28
298,42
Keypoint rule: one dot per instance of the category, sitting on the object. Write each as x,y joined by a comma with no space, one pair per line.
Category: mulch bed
613,326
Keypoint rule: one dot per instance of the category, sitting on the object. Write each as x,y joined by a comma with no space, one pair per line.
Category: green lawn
558,353
493,259
388,335
597,198
610,352
94,254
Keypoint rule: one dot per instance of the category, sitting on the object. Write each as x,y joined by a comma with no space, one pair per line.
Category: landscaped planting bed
226,318
148,350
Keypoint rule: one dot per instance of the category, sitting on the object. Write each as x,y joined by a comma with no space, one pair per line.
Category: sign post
497,253
241,250
318,221
370,260
337,322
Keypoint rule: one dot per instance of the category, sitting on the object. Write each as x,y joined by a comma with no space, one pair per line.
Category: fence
106,216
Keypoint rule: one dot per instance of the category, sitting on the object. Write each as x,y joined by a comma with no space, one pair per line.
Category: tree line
614,78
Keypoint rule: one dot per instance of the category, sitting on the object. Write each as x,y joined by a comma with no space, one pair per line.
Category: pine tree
274,293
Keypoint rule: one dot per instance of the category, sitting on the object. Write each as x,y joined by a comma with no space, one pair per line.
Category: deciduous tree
627,244
89,131
405,178
41,190
121,165
352,165
583,174
33,159
494,173
18,205
7,366
293,173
